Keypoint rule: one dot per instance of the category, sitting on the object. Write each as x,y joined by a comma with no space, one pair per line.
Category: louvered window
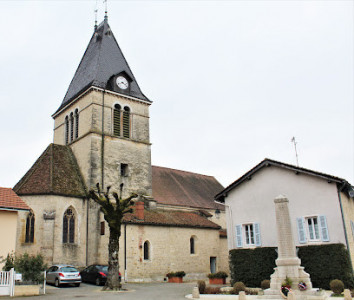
71,127
116,120
126,122
69,226
66,130
76,123
30,228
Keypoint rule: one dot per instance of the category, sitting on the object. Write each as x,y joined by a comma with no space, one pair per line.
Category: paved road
136,291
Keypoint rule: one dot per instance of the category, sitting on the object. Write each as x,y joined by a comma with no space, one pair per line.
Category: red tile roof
171,218
10,200
181,188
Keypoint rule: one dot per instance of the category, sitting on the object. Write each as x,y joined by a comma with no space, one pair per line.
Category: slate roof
181,188
103,58
269,162
10,200
55,172
171,218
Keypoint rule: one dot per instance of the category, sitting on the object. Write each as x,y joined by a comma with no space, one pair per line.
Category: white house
321,207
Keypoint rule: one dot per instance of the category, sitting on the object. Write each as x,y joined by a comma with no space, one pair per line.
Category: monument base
309,294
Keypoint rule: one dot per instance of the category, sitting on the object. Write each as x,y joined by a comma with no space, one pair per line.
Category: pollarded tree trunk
113,214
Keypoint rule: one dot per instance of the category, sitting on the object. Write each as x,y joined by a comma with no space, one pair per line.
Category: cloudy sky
231,81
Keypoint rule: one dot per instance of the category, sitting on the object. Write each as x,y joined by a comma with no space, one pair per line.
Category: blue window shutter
324,229
238,236
257,232
301,230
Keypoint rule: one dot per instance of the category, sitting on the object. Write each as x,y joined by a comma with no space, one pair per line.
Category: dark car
96,274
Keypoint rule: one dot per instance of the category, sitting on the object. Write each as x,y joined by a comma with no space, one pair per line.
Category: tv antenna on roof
297,158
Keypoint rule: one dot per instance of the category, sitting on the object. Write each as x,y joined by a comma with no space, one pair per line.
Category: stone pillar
47,246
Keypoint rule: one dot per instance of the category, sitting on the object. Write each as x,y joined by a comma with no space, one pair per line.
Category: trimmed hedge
322,262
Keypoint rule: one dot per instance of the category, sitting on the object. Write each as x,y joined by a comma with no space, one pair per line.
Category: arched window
126,122
69,226
146,250
76,123
192,245
71,127
66,130
30,228
116,119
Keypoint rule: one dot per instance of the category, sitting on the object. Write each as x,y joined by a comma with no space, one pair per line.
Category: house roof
269,162
173,218
103,58
10,200
181,188
55,172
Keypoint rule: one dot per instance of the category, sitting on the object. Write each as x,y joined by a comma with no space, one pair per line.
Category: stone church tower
104,118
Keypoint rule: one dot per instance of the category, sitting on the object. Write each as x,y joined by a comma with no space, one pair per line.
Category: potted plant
217,278
176,277
286,287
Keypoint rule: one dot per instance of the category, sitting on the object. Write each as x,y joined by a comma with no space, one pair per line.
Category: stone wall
8,223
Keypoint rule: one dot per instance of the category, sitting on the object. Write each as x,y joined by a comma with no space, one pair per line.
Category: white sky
232,81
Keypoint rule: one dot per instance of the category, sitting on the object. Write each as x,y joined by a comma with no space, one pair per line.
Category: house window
146,250
126,122
248,235
123,170
102,228
69,226
192,245
116,120
312,229
76,123
29,228
66,130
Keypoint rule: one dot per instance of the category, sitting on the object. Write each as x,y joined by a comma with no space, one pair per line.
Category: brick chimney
139,210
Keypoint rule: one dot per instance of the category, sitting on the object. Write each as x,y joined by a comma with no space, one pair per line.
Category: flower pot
217,280
175,279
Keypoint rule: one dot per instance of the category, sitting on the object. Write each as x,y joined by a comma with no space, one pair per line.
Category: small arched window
69,226
126,122
71,127
116,120
76,123
146,250
30,228
192,245
66,130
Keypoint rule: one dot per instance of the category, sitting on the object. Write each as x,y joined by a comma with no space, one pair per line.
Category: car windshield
68,269
104,269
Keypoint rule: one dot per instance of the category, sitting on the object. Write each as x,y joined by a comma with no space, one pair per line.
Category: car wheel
98,282
56,282
77,284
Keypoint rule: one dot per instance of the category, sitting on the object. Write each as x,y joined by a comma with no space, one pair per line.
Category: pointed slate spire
102,60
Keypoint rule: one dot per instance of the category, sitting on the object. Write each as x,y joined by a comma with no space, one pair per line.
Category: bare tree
113,214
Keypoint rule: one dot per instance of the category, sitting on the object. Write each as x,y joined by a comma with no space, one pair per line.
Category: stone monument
288,264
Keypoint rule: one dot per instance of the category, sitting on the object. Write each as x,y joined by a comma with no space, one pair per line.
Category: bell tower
104,118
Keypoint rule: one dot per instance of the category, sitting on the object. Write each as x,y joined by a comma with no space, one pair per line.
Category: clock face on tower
122,82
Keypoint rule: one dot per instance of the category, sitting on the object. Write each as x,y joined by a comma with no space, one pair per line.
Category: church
101,135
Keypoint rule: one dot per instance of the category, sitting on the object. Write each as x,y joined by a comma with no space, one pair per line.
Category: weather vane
294,141
106,9
96,10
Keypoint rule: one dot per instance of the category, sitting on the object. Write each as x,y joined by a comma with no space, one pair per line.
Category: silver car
63,274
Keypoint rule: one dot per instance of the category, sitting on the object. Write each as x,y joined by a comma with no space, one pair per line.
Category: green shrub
220,274
9,262
238,287
201,286
212,290
30,266
176,274
265,284
337,286
323,262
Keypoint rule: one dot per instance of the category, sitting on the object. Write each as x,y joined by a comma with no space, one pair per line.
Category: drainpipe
343,220
87,228
102,143
231,223
125,253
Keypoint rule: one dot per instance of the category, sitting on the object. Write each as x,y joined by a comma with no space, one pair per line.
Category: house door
212,264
